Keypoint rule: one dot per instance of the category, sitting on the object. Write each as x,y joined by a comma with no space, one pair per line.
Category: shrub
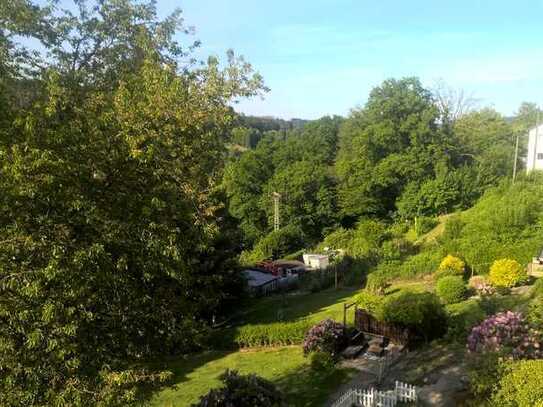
323,362
377,281
520,385
506,332
370,302
481,286
537,289
506,273
274,334
420,311
242,390
450,266
327,336
535,312
462,317
451,289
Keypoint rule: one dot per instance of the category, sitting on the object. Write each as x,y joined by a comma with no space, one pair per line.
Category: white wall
535,149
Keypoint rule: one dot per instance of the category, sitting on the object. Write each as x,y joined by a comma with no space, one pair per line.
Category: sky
322,57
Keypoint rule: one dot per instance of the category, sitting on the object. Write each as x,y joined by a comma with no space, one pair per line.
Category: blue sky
324,56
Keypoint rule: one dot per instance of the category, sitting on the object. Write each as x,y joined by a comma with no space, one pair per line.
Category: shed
261,283
317,261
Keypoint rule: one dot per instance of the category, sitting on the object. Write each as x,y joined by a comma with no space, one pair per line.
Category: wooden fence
374,398
365,322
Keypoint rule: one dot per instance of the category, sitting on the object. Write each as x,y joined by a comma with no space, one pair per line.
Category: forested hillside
406,154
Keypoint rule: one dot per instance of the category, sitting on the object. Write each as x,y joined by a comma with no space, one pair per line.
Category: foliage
461,318
242,390
113,235
485,372
481,286
535,312
506,273
327,336
322,361
391,141
370,302
506,332
520,385
537,288
272,334
276,244
451,289
450,266
420,311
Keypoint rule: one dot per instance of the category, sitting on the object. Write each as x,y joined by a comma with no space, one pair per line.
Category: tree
307,197
110,217
394,139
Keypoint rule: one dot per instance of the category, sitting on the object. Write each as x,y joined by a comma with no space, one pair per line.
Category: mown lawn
290,307
285,366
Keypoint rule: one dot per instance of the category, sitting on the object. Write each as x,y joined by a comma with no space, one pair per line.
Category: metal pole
516,159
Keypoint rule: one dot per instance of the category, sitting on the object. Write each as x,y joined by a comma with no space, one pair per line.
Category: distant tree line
409,152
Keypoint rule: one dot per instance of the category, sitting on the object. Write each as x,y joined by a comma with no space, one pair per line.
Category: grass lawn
285,366
314,306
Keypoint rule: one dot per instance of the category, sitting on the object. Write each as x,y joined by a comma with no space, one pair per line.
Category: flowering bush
506,273
506,331
327,336
450,266
481,286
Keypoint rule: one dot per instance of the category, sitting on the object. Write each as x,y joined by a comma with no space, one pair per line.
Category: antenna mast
276,220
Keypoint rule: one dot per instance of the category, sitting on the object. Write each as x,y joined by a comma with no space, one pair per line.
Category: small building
316,261
534,159
261,283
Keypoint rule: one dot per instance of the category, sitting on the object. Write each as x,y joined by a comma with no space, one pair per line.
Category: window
540,156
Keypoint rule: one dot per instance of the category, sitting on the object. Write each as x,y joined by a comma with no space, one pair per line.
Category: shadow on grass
307,387
293,306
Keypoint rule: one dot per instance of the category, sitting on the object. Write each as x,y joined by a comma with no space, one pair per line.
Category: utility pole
516,159
276,220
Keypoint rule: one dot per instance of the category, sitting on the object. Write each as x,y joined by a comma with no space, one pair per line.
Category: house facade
534,159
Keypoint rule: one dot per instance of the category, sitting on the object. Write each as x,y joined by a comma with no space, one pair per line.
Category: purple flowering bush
327,336
507,332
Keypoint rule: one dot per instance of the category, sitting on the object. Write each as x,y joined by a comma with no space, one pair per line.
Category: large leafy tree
274,164
112,246
393,140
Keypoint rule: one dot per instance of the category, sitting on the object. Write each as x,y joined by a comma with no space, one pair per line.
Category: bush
450,266
323,362
535,312
419,311
537,289
508,333
378,281
481,286
370,302
242,390
327,336
451,289
506,273
462,317
274,334
520,385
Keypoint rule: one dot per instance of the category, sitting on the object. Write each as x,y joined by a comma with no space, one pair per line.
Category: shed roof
257,278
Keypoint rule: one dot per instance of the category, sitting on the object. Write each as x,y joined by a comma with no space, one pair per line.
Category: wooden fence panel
367,323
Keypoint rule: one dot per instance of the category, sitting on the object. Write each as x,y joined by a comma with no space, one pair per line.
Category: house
534,160
261,283
316,261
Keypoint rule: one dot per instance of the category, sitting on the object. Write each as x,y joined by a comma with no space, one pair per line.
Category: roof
257,278
289,263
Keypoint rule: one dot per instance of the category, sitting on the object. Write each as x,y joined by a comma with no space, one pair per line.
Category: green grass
291,307
285,366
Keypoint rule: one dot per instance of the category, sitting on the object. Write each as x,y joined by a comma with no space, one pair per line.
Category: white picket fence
375,398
